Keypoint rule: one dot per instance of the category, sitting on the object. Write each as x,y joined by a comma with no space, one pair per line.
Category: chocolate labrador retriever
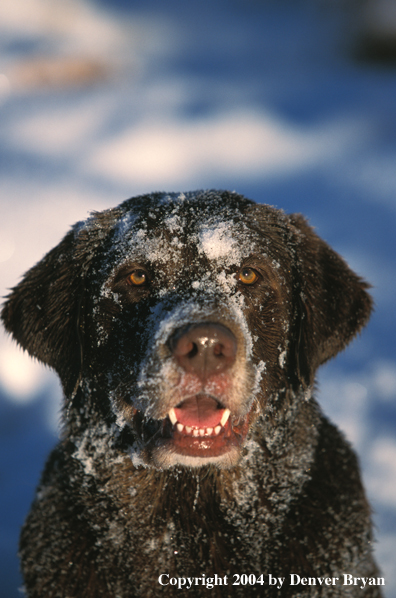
186,330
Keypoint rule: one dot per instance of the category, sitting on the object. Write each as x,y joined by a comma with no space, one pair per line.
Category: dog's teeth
209,431
180,427
195,432
225,417
188,429
172,416
201,432
217,430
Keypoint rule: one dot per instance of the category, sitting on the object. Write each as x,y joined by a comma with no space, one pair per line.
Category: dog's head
181,317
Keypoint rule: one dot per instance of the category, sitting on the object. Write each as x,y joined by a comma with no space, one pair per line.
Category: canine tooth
179,427
217,429
195,432
188,429
201,432
172,416
209,431
225,417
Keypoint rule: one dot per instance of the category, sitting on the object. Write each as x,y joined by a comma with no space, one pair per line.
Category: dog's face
180,298
181,318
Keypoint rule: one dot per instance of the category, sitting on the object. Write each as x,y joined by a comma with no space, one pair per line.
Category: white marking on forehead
219,242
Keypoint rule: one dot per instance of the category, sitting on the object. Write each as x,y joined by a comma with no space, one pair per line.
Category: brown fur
120,503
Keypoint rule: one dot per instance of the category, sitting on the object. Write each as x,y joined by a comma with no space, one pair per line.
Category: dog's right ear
44,312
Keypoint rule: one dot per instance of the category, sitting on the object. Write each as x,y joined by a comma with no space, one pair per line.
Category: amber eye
247,276
137,278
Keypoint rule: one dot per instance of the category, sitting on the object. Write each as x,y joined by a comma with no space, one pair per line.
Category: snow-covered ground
101,101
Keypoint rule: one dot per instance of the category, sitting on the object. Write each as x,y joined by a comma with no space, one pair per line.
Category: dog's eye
137,278
247,276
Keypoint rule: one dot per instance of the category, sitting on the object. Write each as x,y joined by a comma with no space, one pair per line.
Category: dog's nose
204,349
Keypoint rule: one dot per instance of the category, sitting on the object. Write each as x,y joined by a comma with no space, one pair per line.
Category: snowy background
101,101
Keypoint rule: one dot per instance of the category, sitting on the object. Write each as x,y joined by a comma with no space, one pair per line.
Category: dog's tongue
199,412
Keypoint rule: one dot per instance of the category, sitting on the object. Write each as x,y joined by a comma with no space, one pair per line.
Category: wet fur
108,519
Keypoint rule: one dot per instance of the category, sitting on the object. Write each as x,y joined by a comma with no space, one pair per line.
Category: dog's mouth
202,427
199,416
198,427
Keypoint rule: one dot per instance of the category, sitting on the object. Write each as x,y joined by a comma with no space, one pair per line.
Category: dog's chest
185,523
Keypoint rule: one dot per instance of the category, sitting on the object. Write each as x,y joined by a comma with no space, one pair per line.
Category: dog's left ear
331,302
44,312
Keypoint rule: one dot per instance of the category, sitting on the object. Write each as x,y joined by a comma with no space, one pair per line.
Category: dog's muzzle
202,425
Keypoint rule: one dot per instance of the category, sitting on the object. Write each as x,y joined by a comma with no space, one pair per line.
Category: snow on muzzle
207,393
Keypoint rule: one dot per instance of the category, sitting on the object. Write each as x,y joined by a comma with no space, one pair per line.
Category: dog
186,330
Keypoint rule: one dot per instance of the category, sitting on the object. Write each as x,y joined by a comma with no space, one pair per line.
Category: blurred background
289,102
